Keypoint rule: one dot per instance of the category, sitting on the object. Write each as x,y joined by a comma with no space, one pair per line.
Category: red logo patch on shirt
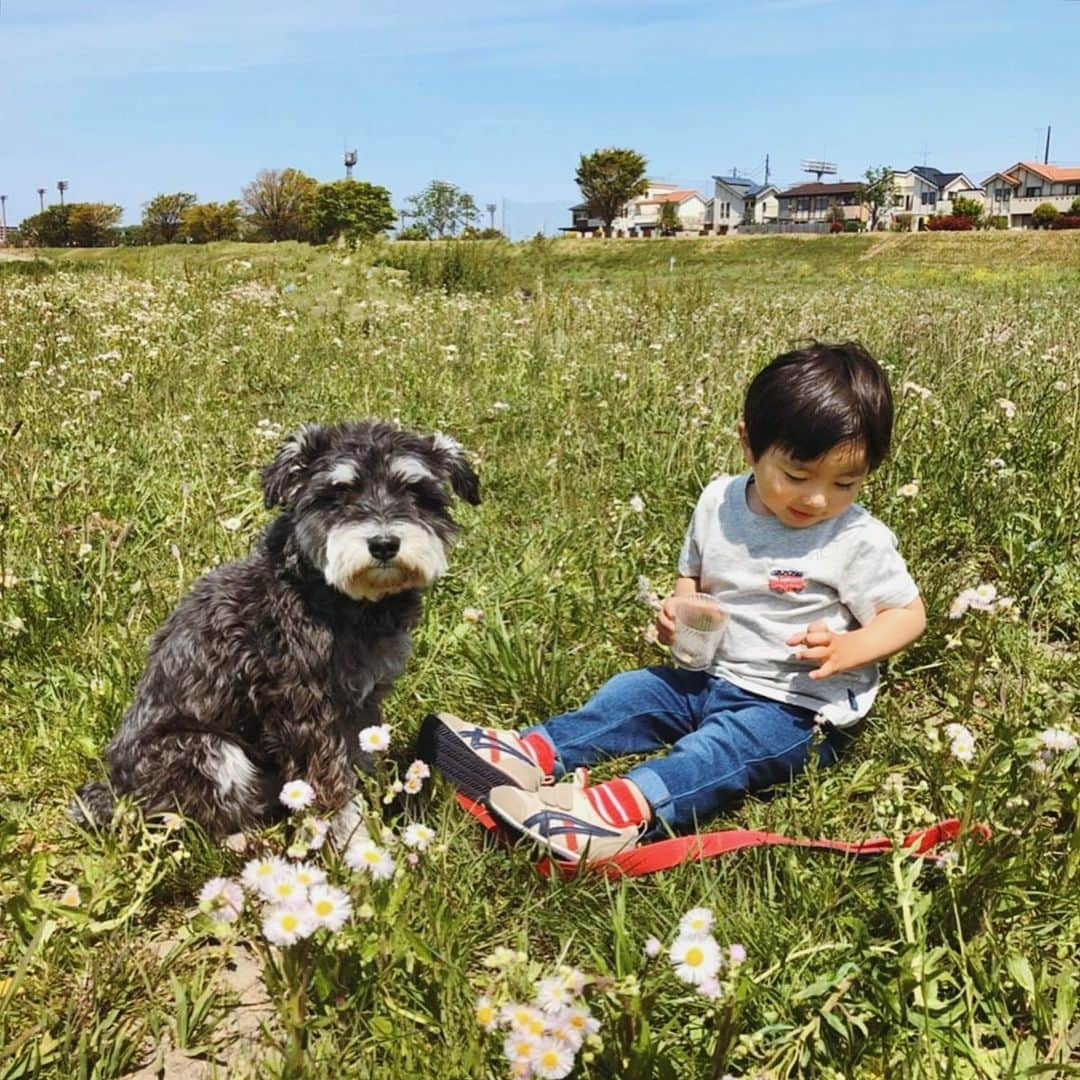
786,581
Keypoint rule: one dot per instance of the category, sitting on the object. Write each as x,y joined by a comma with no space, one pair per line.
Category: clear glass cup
699,626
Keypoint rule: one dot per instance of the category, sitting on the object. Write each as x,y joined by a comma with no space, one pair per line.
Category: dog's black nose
383,548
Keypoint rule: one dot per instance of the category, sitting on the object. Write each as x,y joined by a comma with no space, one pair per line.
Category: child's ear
744,442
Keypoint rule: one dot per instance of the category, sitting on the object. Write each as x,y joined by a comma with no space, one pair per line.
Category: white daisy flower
695,958
287,925
523,1018
551,1060
368,856
487,1016
331,907
697,920
1057,740
473,615
419,769
1007,407
297,795
736,955
413,785
376,739
70,897
519,1046
962,742
909,490
418,835
258,872
284,887
308,875
553,995
222,899
315,832
581,1020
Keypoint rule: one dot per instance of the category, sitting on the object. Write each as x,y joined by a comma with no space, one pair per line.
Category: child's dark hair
810,400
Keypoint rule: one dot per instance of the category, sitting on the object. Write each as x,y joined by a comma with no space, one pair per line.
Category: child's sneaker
575,823
476,759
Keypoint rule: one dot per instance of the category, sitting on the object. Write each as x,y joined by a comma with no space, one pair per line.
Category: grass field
597,386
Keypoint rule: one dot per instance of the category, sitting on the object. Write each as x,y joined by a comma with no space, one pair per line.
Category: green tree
609,179
442,209
163,216
280,204
877,192
204,223
669,219
91,224
1043,215
962,206
47,229
353,209
1074,208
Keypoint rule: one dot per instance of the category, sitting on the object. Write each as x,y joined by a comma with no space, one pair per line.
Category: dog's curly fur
269,668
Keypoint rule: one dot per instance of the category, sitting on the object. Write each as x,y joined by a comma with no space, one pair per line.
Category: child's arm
665,618
886,633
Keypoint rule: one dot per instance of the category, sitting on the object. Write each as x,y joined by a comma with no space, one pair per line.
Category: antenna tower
818,168
350,161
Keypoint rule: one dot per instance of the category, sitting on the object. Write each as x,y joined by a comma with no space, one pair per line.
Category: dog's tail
93,804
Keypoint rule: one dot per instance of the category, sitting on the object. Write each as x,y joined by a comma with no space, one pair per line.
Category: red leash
664,854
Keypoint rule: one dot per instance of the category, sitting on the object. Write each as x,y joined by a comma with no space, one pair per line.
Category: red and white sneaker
574,822
476,759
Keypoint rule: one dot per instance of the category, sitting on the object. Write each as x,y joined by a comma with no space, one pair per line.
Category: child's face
803,493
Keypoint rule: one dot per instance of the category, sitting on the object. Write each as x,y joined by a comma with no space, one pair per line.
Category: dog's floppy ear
288,471
452,457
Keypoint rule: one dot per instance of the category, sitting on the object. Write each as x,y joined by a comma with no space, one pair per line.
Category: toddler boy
815,592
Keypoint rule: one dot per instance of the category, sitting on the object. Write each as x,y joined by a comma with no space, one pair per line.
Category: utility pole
41,198
3,220
1046,156
766,170
61,186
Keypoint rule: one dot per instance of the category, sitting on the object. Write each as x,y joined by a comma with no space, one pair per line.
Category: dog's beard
352,569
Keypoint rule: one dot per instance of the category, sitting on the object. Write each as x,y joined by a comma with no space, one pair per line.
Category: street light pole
41,198
491,208
61,186
3,220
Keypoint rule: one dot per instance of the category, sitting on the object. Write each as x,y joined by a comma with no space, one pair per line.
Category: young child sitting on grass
815,592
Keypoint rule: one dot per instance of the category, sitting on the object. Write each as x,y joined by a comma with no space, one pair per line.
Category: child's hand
665,621
832,652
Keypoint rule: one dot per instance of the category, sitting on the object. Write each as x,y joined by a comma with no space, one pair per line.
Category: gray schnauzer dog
269,668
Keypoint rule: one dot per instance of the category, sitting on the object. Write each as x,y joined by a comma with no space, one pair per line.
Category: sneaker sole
470,774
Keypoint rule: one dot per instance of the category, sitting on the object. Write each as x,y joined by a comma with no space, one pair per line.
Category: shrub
1074,209
836,226
998,221
852,226
1043,216
1066,221
950,223
463,266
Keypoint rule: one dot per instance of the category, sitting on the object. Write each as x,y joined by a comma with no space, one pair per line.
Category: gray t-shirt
774,580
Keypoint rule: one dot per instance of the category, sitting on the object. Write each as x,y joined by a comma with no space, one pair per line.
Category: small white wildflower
523,1018
500,406
375,739
551,1061
84,550
368,856
297,795
1060,385
418,836
996,463
736,954
553,995
487,1016
695,958
307,874
1058,740
918,391
231,524
70,897
283,887
709,988
518,1047
331,907
697,920
222,899
258,872
909,490
636,503
1007,407
420,769
413,785
962,742
581,1020
473,615
288,925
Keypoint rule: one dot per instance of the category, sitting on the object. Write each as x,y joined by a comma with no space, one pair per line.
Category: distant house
641,216
9,234
738,201
1014,193
923,191
820,203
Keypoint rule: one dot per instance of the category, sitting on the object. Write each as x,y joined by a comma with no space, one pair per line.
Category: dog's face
371,504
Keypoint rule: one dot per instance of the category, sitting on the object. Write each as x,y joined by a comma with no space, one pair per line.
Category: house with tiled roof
923,191
819,203
1014,192
641,216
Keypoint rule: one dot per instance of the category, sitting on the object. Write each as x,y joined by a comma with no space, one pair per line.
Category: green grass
579,374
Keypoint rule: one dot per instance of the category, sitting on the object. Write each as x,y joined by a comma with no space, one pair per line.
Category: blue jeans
721,741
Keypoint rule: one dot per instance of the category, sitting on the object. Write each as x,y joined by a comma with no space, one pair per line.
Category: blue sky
127,98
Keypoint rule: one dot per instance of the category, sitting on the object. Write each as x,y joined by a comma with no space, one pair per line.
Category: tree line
284,204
